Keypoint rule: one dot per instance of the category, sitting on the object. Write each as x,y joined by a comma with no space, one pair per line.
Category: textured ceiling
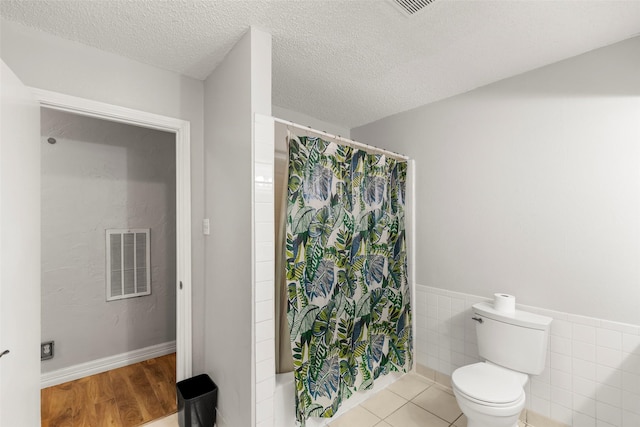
345,62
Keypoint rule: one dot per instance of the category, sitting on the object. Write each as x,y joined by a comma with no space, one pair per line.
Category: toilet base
476,419
472,423
483,416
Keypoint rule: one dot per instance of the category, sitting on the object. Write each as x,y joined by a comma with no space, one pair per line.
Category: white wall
531,185
48,62
101,175
238,88
19,252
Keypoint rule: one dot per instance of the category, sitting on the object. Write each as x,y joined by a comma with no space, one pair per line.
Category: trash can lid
196,386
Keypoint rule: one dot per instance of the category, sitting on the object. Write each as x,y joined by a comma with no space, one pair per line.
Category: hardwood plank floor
125,397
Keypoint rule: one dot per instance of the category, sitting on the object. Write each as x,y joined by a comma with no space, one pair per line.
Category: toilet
514,346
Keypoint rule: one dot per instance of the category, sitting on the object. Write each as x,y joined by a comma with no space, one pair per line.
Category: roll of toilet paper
504,303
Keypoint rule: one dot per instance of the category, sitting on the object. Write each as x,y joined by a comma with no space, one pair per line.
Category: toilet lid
488,383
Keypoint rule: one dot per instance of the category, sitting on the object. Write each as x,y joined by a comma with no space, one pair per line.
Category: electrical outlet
46,350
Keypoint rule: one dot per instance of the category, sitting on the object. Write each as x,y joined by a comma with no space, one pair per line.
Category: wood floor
125,397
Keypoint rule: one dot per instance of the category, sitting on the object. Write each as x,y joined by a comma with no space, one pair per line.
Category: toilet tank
517,341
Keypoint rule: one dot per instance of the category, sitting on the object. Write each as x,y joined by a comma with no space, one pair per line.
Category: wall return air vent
411,7
128,263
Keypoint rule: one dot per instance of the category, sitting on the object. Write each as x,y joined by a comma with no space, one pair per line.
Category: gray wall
238,88
101,175
48,62
531,185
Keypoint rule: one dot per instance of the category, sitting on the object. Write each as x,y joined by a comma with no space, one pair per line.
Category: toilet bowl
513,345
489,395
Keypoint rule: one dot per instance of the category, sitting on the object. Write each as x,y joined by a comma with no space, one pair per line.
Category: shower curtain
348,310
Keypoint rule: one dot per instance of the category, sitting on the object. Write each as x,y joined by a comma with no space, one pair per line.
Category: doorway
108,257
179,129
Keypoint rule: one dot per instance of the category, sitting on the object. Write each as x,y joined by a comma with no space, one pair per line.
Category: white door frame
181,128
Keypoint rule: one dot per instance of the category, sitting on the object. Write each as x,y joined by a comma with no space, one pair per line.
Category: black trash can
197,399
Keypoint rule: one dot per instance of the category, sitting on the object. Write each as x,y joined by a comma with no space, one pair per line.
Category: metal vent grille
127,263
411,7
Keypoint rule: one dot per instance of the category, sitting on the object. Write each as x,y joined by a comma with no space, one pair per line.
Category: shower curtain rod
346,141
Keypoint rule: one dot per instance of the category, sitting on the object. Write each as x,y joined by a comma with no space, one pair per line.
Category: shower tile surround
592,373
264,259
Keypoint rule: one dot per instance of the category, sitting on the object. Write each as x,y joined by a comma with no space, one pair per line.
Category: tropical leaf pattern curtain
349,309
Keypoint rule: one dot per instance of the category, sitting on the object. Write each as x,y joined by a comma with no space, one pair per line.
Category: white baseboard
97,366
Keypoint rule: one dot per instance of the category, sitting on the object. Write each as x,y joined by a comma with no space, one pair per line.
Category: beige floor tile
410,385
383,424
444,388
170,421
384,403
411,415
461,422
426,372
356,417
439,402
443,379
535,419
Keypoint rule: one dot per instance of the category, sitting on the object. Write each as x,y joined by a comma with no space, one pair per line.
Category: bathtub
284,400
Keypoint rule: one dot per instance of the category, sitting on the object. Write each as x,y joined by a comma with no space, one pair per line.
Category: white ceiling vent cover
411,7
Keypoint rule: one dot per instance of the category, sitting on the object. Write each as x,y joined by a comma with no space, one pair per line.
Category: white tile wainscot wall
264,244
592,374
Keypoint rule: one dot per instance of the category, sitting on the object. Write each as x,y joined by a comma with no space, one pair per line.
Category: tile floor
412,401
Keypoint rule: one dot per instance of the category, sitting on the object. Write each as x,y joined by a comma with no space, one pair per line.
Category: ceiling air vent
411,7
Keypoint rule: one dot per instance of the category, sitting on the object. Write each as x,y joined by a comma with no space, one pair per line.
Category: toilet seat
489,385
490,404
